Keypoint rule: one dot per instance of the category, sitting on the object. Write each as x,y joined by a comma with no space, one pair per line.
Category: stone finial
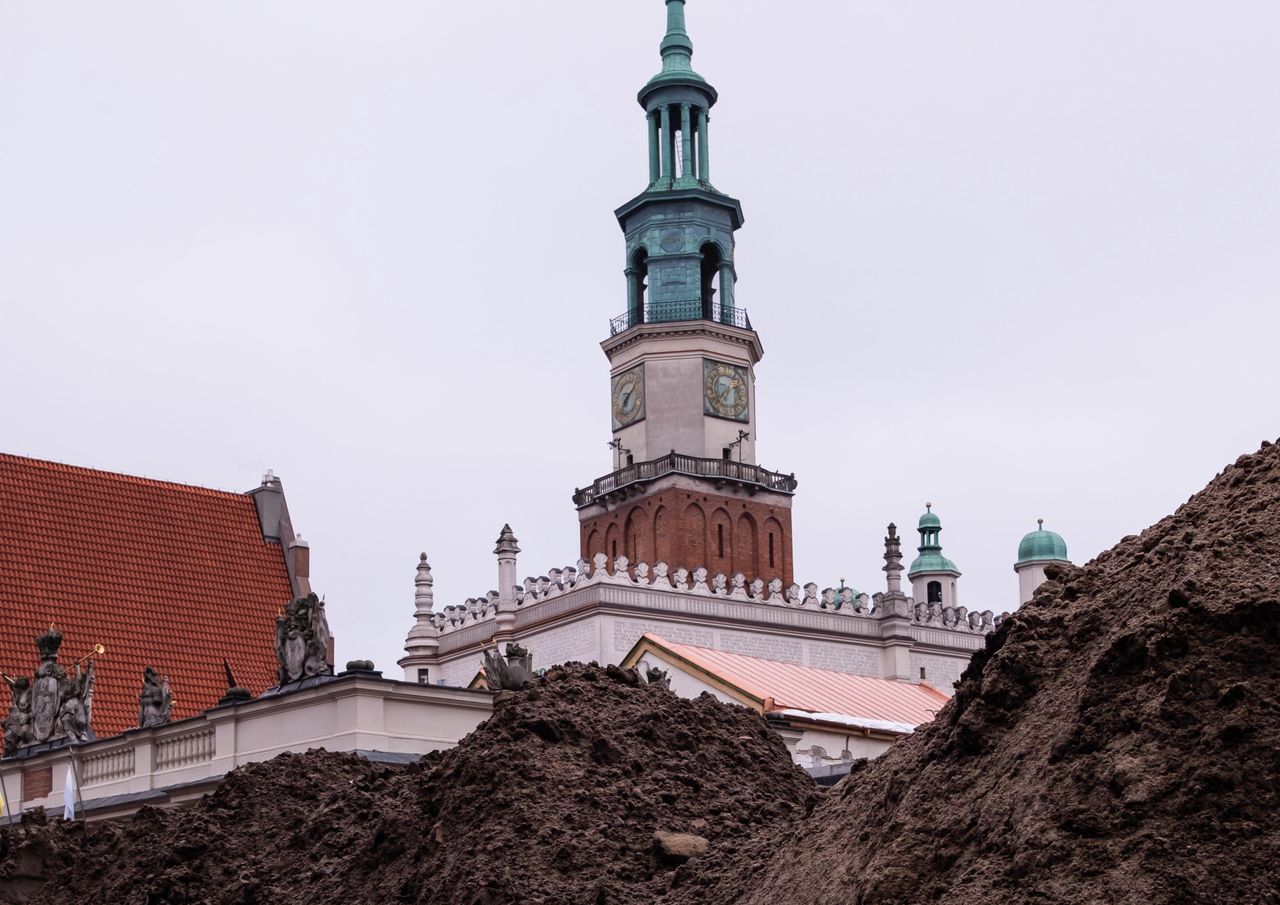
235,694
423,585
893,560
507,543
423,639
506,550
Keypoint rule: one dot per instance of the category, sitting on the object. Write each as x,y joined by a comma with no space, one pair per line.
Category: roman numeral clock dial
724,390
628,397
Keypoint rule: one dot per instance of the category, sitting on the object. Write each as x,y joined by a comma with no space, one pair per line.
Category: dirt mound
588,787
1118,740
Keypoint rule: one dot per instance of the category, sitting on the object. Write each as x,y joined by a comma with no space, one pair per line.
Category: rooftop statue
156,700
302,640
655,675
17,727
55,705
509,674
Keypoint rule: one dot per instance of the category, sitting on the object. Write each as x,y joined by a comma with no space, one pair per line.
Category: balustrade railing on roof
668,312
675,463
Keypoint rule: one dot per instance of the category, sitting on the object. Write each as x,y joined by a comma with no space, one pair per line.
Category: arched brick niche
687,529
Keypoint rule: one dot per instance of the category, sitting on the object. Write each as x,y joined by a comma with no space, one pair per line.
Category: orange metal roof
786,686
169,575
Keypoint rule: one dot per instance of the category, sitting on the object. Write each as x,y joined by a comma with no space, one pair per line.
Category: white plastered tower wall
1030,577
949,587
673,356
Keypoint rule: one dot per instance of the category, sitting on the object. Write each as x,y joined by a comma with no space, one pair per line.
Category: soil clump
588,786
1118,740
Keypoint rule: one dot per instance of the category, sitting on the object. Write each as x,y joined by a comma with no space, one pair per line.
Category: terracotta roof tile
791,687
162,574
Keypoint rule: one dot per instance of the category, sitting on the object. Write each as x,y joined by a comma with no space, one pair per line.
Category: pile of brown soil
564,796
1117,741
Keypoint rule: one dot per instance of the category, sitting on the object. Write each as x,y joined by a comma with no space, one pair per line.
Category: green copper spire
677,48
677,52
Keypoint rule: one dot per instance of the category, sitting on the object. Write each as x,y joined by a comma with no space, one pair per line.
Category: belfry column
668,164
704,148
686,142
655,158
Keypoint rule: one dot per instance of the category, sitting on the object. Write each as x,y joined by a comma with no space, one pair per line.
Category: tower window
921,673
710,278
726,453
770,549
933,592
720,540
638,274
615,549
423,677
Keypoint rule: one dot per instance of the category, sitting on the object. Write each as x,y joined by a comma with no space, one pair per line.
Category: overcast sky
1019,259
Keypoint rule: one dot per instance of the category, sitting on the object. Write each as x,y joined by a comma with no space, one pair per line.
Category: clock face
672,240
628,397
724,390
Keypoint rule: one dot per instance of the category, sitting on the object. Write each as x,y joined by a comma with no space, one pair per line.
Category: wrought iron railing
674,463
667,312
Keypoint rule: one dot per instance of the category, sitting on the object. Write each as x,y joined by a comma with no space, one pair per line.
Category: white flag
69,795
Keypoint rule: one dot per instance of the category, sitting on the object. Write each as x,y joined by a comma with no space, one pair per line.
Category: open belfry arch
686,488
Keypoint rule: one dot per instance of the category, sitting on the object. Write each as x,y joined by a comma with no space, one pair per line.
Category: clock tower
686,489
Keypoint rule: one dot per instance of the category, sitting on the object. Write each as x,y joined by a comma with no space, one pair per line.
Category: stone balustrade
175,763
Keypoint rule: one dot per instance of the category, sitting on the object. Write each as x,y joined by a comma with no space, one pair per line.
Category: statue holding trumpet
55,705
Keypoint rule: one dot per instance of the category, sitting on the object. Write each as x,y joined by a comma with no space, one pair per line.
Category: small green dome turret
930,549
1042,546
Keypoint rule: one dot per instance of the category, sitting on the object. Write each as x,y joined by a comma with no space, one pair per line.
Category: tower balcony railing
669,312
750,476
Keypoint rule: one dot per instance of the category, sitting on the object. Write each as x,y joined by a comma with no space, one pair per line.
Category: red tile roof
169,575
786,686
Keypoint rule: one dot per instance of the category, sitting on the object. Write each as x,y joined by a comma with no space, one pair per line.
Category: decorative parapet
700,583
955,618
743,474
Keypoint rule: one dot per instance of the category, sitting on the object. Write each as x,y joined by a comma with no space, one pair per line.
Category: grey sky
1016,258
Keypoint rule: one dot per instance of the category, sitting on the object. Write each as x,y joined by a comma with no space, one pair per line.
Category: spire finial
1040,523
677,48
928,507
507,544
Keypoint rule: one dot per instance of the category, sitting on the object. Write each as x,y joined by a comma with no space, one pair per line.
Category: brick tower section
686,528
